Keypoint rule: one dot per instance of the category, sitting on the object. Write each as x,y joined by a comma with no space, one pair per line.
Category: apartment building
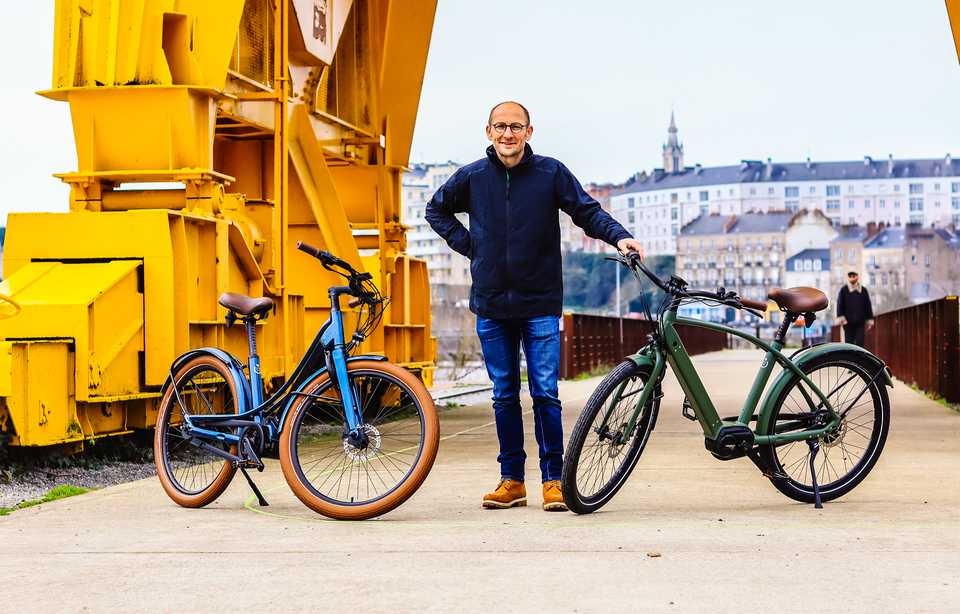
889,191
745,253
900,264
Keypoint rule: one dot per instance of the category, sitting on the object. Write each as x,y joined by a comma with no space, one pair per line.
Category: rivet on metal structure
211,137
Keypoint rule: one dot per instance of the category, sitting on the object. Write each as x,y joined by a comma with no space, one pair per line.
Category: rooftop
755,171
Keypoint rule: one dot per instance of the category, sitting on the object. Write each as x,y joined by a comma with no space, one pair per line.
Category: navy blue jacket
514,238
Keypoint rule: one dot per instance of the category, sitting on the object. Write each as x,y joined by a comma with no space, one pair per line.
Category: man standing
512,197
854,310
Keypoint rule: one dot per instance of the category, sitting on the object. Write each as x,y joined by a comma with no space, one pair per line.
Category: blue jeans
500,341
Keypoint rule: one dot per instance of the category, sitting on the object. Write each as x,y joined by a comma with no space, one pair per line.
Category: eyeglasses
501,127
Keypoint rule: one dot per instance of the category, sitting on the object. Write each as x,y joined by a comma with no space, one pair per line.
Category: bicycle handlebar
324,256
633,259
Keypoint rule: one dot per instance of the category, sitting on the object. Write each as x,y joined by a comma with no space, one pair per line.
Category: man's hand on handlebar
630,245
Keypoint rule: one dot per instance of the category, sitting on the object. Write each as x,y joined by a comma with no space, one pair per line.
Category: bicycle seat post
256,381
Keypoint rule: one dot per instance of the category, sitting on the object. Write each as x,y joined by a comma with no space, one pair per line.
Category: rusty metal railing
586,341
920,344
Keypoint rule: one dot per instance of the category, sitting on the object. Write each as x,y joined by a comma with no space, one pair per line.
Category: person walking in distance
513,198
854,310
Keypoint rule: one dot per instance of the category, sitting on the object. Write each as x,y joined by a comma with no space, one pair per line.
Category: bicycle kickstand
256,491
814,448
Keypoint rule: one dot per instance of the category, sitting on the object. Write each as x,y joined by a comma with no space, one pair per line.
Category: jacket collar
519,168
853,287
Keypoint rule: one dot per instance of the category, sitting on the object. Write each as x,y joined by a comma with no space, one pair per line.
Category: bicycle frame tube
658,367
706,413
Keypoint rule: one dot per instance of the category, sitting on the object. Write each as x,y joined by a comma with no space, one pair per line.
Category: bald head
523,109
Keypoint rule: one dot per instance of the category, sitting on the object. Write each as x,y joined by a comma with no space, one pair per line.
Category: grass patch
60,492
598,371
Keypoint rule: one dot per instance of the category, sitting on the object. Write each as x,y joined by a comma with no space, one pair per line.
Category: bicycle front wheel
598,461
191,475
347,479
849,452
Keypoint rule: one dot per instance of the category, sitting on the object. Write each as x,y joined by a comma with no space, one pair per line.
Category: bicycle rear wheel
347,481
597,464
848,453
190,475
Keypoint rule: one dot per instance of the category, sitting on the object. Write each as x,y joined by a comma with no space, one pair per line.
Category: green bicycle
816,433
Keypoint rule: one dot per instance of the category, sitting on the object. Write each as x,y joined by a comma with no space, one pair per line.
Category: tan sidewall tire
431,443
221,482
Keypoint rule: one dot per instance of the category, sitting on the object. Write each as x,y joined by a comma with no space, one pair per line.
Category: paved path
728,541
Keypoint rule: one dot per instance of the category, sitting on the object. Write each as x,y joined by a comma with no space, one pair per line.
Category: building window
770,191
955,203
688,246
704,209
926,260
850,205
704,195
774,259
813,190
839,274
833,190
753,191
792,192
838,255
817,265
798,265
866,204
883,279
674,198
673,214
896,187
853,255
729,244
916,204
630,203
850,189
701,245
873,279
883,204
773,243
916,188
833,205
748,243
713,244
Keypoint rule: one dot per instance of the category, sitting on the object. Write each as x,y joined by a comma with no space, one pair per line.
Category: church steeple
672,151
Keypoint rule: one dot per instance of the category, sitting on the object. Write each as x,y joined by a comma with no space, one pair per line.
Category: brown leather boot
552,497
509,493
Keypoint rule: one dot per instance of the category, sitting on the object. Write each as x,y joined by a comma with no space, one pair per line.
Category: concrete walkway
725,540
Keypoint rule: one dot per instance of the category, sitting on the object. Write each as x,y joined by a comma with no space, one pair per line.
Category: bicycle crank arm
769,473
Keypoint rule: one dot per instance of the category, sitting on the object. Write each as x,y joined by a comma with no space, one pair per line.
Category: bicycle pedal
688,410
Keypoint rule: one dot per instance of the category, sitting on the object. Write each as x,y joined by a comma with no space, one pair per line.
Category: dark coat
514,239
854,306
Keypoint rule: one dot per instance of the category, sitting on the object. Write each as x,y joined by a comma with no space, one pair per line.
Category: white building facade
894,192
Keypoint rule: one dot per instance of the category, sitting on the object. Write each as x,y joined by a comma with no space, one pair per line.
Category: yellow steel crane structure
272,121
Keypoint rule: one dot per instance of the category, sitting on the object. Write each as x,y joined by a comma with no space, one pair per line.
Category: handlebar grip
758,305
323,256
354,302
313,251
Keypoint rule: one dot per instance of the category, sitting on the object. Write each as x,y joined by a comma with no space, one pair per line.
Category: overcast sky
746,79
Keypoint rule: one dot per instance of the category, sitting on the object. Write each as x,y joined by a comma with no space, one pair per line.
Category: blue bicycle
356,436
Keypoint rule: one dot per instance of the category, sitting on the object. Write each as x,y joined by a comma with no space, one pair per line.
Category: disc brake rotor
362,454
835,437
